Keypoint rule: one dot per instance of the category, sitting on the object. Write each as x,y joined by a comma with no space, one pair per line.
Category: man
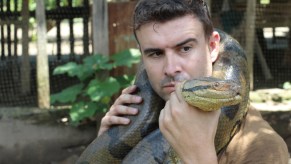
177,43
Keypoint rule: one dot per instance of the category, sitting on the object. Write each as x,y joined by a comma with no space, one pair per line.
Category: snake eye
219,86
216,84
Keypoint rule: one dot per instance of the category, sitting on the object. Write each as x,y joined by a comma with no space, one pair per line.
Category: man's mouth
171,84
169,87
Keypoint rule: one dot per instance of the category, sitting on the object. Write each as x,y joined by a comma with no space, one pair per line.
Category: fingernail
138,99
134,111
126,121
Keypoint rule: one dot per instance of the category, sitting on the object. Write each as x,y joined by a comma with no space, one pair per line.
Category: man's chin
166,97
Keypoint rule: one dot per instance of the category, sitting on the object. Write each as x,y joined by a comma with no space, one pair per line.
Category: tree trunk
43,88
100,27
250,37
25,65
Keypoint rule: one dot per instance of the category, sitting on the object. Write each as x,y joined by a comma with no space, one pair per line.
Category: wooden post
266,70
86,28
25,65
208,2
100,30
42,58
250,36
100,27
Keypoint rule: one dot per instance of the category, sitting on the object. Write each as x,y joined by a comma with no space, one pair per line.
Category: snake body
142,141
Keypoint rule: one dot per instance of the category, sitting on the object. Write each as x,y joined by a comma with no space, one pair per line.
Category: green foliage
265,2
93,93
287,85
68,95
51,4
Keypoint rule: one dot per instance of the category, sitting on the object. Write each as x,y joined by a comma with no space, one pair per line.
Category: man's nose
172,65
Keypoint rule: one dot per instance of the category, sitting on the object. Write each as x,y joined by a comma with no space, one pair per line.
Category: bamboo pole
208,2
250,37
42,58
265,68
100,31
25,65
100,27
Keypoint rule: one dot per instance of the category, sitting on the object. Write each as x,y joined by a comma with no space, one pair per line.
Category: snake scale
142,141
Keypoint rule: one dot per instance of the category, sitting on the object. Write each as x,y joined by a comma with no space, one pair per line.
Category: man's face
176,50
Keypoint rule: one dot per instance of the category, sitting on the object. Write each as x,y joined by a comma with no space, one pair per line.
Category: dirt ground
32,136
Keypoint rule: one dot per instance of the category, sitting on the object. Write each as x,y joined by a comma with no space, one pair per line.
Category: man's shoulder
256,142
257,131
255,127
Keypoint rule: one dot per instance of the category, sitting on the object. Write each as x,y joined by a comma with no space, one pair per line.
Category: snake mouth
222,99
222,95
210,104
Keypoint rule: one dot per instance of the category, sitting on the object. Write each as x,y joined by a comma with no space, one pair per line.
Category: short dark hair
147,11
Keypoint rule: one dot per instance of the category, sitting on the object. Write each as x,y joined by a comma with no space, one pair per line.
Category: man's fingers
129,89
165,116
178,91
116,113
115,120
128,99
108,121
122,110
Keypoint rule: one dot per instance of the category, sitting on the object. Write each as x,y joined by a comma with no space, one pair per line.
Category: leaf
73,69
287,85
82,110
105,100
67,95
66,68
125,80
98,62
84,72
126,58
99,89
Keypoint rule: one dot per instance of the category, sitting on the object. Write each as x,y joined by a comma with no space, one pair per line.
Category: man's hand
189,130
119,108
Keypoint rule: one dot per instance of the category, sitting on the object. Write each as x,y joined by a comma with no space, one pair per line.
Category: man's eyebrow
150,50
186,41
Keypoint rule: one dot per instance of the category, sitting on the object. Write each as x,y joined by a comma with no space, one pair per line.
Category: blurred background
42,123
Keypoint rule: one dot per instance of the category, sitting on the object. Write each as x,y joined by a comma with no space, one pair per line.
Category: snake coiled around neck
142,141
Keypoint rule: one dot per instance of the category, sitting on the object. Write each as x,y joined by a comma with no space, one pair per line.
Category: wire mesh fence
69,38
271,62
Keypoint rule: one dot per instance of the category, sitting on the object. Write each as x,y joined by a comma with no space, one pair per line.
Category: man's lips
169,87
170,84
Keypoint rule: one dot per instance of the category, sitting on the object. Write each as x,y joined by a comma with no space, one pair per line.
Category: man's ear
214,45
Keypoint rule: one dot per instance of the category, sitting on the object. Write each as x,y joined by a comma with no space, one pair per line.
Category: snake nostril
236,88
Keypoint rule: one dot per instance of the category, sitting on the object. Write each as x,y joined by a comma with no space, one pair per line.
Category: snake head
209,93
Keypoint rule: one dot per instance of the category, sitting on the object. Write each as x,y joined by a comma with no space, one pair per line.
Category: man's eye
155,54
186,49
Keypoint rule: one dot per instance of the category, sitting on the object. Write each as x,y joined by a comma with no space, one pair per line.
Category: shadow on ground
32,135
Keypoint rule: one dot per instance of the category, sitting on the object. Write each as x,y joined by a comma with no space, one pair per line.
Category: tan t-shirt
255,143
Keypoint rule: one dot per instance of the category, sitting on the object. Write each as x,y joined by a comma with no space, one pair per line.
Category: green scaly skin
209,93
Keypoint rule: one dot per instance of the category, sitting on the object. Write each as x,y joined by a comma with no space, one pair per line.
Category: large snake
142,141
